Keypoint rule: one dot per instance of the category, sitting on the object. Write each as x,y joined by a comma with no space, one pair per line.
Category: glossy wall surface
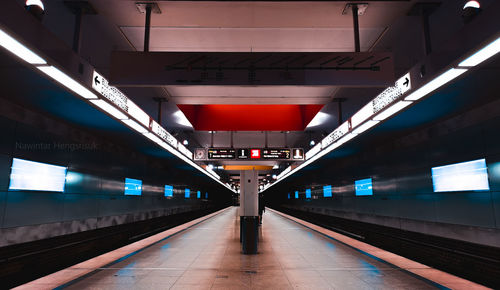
400,169
94,191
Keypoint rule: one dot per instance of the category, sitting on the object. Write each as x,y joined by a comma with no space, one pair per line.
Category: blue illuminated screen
187,193
198,194
471,175
133,186
169,190
308,193
206,195
327,191
30,175
363,187
296,194
288,195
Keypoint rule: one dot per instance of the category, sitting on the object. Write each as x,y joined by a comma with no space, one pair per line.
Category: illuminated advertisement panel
133,186
30,175
327,191
363,187
169,191
471,175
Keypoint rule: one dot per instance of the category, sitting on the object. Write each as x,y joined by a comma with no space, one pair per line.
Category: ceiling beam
356,69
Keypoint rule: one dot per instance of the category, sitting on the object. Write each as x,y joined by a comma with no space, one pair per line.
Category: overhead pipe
355,20
147,27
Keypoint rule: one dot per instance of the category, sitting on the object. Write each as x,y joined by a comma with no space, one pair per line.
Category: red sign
255,153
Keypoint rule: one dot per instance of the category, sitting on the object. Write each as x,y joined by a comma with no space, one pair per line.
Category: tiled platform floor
208,256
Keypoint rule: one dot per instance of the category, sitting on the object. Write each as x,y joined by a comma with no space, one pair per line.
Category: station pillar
249,211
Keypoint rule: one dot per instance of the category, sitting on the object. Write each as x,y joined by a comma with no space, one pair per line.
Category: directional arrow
96,80
406,82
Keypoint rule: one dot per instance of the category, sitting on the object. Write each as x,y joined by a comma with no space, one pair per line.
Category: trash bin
241,229
249,234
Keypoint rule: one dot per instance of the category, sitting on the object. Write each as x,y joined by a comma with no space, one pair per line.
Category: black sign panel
298,154
276,153
254,154
243,154
227,153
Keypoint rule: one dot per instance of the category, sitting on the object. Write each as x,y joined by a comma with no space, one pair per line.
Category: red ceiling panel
250,117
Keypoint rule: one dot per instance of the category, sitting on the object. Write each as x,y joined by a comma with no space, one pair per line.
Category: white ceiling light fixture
21,51
319,119
392,110
67,81
312,143
110,109
362,115
138,114
38,3
483,54
181,119
436,83
185,142
472,4
366,126
135,126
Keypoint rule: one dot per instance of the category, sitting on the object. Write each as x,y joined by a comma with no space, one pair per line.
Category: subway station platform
292,255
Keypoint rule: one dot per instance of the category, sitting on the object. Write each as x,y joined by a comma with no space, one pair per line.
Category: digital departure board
254,154
283,153
221,153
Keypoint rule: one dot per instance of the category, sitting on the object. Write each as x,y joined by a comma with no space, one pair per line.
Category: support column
249,211
424,10
147,8
355,21
147,27
79,9
160,102
339,109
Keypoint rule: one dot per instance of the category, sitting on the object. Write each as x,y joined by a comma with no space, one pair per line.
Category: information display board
283,153
296,154
223,153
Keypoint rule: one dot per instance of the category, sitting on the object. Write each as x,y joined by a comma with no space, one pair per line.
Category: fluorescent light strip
436,83
137,113
392,110
362,115
67,81
108,108
15,47
367,125
136,126
212,172
313,151
153,138
483,54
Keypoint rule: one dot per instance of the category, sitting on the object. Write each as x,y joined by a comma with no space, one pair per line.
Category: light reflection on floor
208,256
